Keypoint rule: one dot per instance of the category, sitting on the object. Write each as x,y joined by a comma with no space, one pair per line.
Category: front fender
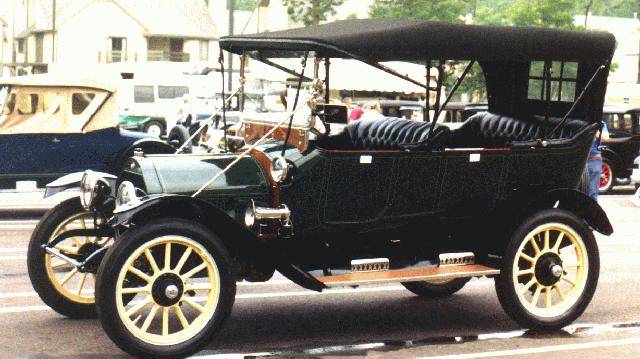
72,180
578,203
147,145
237,238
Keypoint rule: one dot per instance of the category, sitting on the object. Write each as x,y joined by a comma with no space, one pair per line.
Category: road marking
545,349
11,227
13,258
12,250
33,308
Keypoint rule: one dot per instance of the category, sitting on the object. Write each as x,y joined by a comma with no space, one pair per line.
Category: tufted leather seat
486,129
387,134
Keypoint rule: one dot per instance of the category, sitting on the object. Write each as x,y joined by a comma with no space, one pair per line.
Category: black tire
436,290
37,268
116,258
506,288
612,181
154,126
180,134
583,185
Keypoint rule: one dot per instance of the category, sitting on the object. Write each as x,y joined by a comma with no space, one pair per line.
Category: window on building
27,104
171,92
80,102
39,47
118,49
562,81
204,50
143,94
21,46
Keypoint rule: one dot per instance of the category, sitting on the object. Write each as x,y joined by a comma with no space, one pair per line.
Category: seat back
488,130
387,134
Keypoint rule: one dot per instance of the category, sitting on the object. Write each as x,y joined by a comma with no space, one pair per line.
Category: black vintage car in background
623,146
377,201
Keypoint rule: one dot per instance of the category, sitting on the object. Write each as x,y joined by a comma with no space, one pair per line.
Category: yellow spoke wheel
164,288
162,276
549,270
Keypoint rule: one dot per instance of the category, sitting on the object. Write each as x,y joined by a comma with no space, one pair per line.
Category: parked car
453,114
381,201
53,126
622,147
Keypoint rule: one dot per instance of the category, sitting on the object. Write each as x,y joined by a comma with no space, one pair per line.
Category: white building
624,82
86,33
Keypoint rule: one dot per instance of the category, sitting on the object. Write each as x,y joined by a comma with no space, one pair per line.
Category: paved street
279,318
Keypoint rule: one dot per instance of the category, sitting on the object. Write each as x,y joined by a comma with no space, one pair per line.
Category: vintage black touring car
388,200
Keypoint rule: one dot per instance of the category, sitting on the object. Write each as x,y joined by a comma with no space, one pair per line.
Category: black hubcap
159,289
544,266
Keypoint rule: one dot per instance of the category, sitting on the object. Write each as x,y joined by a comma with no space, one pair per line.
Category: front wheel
550,270
154,128
181,278
607,176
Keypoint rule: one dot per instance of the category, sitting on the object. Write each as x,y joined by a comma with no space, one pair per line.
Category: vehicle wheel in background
436,288
180,135
182,279
59,284
607,176
549,271
154,128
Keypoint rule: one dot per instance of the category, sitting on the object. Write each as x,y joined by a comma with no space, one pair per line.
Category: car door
358,187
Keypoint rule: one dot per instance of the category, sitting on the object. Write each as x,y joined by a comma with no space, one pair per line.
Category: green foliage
311,12
442,10
245,5
618,8
543,13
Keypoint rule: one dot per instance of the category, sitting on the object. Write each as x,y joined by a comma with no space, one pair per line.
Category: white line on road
13,258
545,349
12,250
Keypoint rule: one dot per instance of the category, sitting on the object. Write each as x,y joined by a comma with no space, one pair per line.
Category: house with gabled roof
89,32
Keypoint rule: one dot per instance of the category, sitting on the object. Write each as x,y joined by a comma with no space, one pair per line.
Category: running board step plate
409,275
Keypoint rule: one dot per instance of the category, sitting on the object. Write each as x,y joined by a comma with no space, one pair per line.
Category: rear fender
146,145
240,241
578,203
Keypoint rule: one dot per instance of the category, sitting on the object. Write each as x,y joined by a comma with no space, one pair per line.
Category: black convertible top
409,40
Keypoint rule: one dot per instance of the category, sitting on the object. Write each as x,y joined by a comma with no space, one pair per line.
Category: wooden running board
408,275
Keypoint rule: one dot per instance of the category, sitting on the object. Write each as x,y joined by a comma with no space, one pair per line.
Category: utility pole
231,6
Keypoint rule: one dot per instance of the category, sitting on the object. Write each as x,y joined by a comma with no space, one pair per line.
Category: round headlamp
126,194
88,186
250,215
279,169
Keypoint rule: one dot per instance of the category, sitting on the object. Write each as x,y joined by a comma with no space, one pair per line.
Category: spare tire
180,135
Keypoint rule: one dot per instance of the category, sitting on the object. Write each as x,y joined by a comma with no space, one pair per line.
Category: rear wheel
436,288
180,276
154,128
59,284
607,176
550,270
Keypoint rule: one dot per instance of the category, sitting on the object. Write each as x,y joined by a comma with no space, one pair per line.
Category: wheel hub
167,289
548,269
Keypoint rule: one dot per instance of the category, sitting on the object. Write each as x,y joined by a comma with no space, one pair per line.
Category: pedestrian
372,111
594,162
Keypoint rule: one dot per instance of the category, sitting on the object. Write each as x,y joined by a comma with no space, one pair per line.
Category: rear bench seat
483,129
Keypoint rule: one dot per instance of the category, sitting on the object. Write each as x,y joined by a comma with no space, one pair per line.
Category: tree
542,13
311,12
440,10
618,8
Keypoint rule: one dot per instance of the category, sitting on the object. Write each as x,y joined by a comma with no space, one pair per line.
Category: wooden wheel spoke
68,276
546,241
135,290
527,258
135,309
534,244
195,305
199,286
568,280
67,249
84,226
140,274
528,285
167,256
183,259
195,270
165,321
559,291
536,295
183,320
59,265
547,297
152,261
152,314
82,280
525,272
556,246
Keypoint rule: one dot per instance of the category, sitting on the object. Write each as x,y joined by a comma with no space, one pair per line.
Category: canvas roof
412,40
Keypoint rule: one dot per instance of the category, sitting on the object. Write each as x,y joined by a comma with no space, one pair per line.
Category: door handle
55,140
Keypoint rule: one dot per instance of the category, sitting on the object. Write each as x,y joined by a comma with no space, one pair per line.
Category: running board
408,275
